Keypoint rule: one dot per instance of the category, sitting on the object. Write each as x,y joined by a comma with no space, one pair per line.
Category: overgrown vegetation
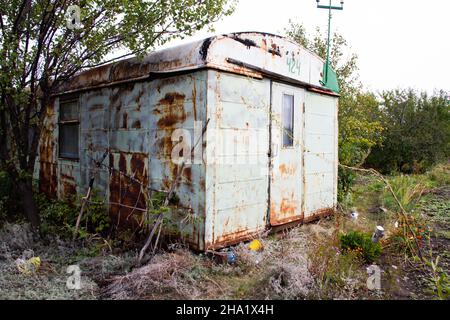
419,236
324,260
361,244
416,131
59,216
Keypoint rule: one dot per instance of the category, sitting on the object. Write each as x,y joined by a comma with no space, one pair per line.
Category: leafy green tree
42,44
417,131
359,125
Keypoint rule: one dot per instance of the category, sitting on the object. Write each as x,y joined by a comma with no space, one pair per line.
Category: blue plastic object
231,257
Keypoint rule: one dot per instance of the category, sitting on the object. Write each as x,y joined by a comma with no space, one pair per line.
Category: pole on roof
329,8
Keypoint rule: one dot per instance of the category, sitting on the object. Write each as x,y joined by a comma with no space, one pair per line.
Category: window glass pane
287,115
68,140
68,110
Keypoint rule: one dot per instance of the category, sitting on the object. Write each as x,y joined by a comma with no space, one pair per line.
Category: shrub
417,131
440,175
346,179
59,216
362,244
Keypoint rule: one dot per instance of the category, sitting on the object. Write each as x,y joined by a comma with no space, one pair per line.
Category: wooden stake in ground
84,201
86,198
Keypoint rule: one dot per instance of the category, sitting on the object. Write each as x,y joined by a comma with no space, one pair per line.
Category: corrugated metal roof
248,53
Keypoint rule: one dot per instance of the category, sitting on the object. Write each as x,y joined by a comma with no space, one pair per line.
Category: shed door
286,154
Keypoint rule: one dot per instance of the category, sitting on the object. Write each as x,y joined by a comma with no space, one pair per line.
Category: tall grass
407,190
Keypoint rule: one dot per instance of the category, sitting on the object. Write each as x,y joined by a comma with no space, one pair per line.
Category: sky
399,43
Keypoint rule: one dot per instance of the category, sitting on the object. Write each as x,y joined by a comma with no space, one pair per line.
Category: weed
361,244
337,275
439,280
59,216
407,190
440,175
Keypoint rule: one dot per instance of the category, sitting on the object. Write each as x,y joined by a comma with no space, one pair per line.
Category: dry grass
279,271
296,264
48,281
170,275
290,277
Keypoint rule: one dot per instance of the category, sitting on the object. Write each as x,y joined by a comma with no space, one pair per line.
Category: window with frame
69,124
287,118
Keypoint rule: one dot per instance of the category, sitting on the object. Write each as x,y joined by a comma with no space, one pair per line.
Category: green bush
361,243
346,179
97,217
59,216
440,175
416,132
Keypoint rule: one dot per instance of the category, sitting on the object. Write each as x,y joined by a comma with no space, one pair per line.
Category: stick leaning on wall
158,223
86,198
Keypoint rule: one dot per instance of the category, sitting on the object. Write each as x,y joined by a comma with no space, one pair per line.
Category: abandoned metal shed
267,129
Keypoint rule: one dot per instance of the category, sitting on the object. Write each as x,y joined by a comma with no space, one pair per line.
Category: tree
359,125
417,131
43,44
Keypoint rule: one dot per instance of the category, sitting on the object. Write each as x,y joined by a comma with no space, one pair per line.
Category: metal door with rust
286,171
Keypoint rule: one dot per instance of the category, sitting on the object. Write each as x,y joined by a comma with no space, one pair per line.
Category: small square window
68,110
287,115
69,125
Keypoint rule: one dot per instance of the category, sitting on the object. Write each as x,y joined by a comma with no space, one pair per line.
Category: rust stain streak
194,100
171,110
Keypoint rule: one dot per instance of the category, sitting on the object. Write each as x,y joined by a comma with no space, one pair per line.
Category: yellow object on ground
35,261
28,266
255,245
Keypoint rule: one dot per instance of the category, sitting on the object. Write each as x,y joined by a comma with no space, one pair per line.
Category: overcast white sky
400,43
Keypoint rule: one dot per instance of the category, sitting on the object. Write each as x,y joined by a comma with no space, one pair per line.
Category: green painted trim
330,79
330,7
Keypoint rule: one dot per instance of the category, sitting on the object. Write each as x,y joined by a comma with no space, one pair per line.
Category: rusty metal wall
321,151
227,194
176,103
95,111
135,122
237,189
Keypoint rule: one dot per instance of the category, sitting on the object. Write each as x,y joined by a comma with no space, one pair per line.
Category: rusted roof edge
325,92
282,78
252,71
152,75
162,74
